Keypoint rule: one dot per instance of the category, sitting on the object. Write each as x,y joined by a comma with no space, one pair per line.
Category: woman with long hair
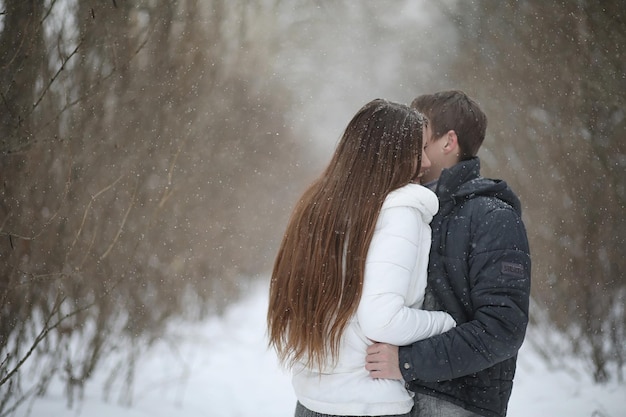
351,268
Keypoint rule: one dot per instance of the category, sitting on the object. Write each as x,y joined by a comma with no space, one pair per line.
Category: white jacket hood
414,195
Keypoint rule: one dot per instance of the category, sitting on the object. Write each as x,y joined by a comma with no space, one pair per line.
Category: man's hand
382,361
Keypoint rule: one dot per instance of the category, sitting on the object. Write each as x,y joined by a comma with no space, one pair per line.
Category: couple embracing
401,286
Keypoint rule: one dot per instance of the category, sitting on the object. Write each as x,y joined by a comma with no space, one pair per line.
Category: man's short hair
455,110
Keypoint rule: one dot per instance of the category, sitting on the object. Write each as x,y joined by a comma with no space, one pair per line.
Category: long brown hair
317,279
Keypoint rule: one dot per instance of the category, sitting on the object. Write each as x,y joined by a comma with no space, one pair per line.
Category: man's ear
451,143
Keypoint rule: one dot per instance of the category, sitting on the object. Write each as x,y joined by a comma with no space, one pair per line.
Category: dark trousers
428,406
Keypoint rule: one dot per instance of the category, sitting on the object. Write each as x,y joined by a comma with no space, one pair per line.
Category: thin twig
47,12
54,77
93,198
42,335
119,230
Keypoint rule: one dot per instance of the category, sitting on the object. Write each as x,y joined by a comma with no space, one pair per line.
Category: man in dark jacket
479,272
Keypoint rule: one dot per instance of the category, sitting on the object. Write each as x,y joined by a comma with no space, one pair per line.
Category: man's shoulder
485,195
488,203
484,209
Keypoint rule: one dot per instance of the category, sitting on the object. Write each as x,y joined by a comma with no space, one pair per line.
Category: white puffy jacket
389,312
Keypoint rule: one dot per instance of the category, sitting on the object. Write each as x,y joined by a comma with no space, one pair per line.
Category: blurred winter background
150,153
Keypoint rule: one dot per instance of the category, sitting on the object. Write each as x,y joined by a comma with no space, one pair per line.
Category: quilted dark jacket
479,272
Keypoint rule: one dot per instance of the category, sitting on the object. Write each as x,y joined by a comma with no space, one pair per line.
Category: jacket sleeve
400,244
499,282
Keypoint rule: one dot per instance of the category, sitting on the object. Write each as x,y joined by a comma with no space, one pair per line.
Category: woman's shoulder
413,195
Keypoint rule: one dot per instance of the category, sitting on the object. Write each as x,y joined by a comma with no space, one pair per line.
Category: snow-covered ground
222,368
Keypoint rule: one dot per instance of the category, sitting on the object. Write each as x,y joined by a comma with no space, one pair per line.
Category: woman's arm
400,243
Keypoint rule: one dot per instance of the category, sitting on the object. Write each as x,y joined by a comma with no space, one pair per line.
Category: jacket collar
463,181
453,178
